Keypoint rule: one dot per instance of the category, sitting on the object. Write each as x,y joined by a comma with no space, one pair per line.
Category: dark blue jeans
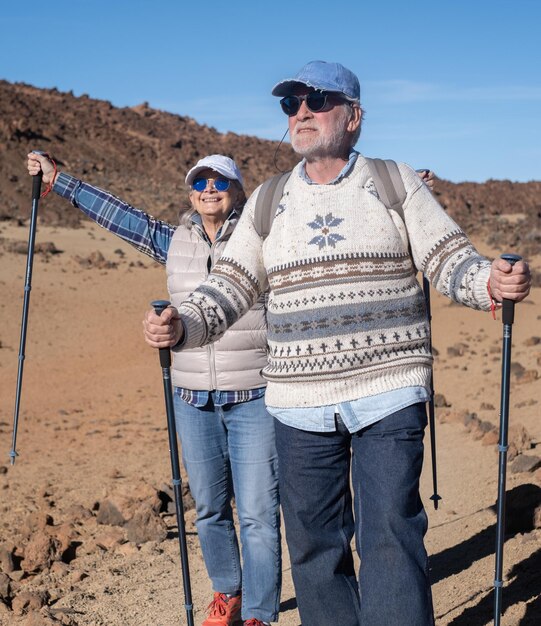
387,517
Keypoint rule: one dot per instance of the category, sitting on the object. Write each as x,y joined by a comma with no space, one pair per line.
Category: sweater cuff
195,328
480,291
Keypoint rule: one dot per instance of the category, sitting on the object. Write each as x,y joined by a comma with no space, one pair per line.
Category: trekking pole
431,415
165,361
36,191
508,317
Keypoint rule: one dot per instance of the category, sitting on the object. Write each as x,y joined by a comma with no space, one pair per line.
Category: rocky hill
141,154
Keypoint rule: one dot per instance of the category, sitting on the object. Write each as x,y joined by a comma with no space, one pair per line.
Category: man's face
322,134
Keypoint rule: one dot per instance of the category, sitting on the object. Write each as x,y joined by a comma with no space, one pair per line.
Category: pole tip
435,499
12,456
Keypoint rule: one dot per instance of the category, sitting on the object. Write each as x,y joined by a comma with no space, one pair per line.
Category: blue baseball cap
324,77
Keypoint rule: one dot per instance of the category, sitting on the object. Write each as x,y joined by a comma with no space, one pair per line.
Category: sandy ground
92,422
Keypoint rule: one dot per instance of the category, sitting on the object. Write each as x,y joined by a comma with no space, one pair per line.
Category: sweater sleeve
440,248
231,289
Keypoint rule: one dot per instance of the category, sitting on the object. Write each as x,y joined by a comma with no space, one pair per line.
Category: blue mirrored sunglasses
220,184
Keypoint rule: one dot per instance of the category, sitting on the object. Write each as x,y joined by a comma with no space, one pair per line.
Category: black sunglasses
316,101
220,184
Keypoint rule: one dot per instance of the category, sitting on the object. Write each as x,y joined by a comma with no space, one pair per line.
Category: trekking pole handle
508,306
159,307
36,180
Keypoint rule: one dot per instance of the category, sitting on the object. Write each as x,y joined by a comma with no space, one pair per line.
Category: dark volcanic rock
141,154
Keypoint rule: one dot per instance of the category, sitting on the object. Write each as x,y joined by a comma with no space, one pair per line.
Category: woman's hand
427,176
37,163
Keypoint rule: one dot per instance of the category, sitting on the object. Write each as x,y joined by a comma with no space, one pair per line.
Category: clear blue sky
452,84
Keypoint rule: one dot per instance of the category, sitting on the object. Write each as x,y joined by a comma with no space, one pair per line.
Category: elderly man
349,359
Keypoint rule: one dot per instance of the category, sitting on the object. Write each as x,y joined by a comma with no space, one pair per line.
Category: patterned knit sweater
346,314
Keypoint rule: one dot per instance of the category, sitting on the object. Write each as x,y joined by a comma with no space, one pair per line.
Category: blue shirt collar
344,172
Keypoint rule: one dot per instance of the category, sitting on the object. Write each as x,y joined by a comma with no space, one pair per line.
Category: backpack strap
389,184
268,198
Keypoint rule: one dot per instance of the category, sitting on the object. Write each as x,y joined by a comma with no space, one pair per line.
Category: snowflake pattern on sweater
326,238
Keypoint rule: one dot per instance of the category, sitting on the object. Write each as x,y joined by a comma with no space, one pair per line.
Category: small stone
7,564
527,376
41,618
6,616
38,520
453,416
40,552
110,538
128,549
59,568
5,588
471,421
109,514
517,368
440,401
486,406
458,349
519,440
146,525
525,463
523,403
77,513
29,601
77,576
490,438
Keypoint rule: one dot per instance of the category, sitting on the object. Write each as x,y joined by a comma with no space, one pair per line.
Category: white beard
323,146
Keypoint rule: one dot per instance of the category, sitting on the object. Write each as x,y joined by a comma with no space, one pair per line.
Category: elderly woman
226,433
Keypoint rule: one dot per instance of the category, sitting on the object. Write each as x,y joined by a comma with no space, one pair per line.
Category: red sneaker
223,611
254,622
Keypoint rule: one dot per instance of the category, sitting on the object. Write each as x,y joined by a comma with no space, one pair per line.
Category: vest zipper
210,346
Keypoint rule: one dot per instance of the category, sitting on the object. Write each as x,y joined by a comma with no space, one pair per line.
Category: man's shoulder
411,178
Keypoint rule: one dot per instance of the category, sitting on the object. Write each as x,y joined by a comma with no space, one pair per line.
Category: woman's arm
141,230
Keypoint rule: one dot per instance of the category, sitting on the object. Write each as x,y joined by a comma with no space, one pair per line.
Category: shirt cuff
65,185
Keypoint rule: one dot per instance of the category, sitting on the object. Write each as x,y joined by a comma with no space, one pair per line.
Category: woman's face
213,204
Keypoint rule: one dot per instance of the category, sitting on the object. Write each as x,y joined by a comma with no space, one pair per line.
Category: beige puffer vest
235,361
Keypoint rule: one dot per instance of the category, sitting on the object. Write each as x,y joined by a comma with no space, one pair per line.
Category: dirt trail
92,428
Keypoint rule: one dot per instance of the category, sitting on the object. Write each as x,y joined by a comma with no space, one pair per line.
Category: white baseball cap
219,163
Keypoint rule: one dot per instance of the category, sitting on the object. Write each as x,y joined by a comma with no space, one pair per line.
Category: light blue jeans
229,451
